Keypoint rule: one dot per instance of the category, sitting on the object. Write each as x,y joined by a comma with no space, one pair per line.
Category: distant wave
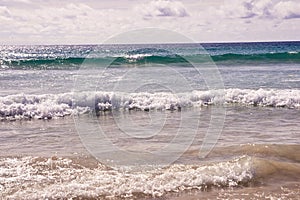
75,63
49,106
141,58
264,57
42,63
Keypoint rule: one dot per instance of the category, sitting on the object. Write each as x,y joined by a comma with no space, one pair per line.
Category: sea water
131,121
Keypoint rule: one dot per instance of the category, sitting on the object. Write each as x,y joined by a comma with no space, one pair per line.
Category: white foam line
59,105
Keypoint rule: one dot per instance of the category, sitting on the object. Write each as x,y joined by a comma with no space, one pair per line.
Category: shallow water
257,153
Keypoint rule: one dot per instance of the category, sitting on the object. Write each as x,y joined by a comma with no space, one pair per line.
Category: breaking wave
47,106
64,178
85,178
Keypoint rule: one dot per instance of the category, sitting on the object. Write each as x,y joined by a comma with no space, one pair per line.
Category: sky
94,21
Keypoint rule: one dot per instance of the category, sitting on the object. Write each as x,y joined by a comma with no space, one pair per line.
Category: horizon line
206,42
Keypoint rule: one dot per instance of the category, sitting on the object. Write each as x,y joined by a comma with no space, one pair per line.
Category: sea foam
48,106
61,178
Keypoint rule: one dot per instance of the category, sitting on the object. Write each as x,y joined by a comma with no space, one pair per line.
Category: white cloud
17,1
92,21
268,9
72,22
287,9
164,8
4,12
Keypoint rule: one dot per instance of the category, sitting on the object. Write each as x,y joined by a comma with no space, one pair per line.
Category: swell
284,57
270,162
279,152
42,63
268,170
141,59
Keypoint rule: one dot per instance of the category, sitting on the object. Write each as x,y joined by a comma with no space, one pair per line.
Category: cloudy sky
93,21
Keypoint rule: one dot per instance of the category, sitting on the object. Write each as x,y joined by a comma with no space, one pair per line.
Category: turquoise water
223,53
60,57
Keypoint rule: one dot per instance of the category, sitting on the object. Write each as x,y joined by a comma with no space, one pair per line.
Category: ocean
150,121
